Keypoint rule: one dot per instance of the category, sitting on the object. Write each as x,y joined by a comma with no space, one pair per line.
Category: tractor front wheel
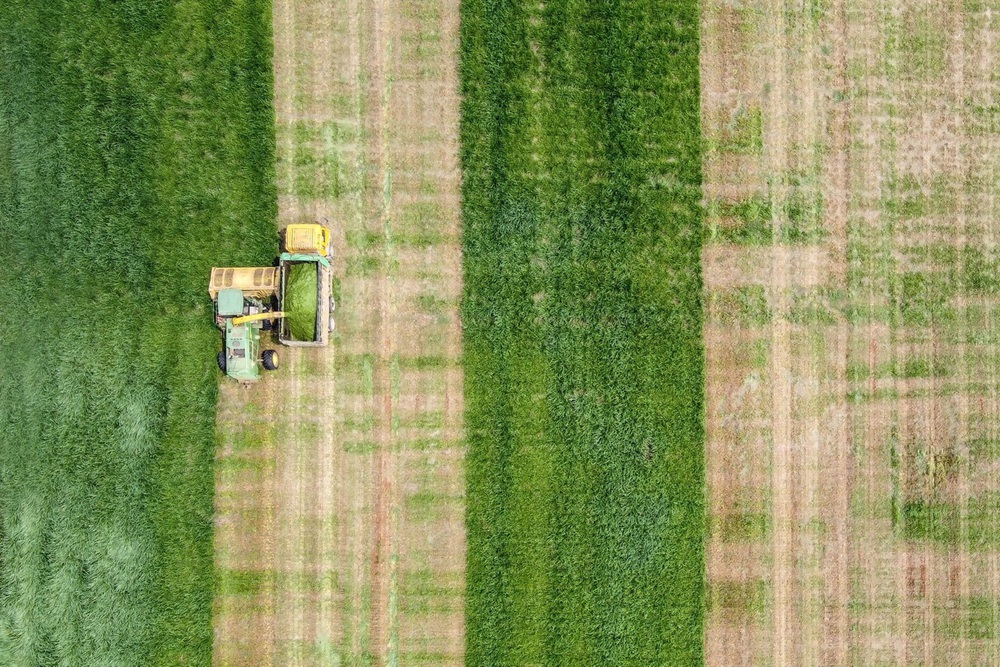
221,359
270,360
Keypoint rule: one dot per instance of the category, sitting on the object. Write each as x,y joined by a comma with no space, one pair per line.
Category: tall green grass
136,151
582,313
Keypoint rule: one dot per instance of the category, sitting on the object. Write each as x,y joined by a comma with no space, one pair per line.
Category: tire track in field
837,194
306,449
960,569
783,511
383,561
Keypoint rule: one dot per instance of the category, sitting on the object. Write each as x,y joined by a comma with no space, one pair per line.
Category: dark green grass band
136,151
582,313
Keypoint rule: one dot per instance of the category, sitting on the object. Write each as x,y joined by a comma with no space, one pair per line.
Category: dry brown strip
852,452
340,491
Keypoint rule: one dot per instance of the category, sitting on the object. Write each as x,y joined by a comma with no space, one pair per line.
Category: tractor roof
230,302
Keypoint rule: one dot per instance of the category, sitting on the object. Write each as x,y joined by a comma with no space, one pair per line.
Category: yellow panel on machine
259,281
309,238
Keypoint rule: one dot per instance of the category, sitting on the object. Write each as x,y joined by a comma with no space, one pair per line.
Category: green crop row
582,313
136,151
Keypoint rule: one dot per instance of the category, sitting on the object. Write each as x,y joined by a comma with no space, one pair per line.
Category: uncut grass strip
582,312
136,151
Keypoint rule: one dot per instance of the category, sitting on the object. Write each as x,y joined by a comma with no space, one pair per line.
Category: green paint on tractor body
242,351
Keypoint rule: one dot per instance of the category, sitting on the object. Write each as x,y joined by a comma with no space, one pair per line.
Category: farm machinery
292,301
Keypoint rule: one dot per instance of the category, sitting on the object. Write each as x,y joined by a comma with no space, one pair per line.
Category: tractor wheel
270,360
333,304
333,324
222,360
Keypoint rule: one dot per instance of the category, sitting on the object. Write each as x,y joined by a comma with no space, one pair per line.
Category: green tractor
248,300
241,318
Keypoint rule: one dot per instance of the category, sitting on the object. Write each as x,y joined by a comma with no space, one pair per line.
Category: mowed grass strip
583,317
136,151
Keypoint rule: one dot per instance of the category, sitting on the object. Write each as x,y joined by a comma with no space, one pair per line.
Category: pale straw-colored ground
853,445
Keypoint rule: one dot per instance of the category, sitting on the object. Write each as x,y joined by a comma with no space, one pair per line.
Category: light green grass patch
312,166
363,447
426,592
984,447
432,303
426,505
244,582
746,306
912,199
742,133
741,527
738,601
916,367
974,618
427,362
923,45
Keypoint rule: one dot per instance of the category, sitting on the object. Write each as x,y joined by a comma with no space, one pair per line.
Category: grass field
136,151
583,341
851,336
833,377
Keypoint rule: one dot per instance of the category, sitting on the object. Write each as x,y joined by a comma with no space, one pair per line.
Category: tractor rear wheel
270,360
221,359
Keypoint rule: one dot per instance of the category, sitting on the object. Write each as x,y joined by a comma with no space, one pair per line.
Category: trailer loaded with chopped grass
306,301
